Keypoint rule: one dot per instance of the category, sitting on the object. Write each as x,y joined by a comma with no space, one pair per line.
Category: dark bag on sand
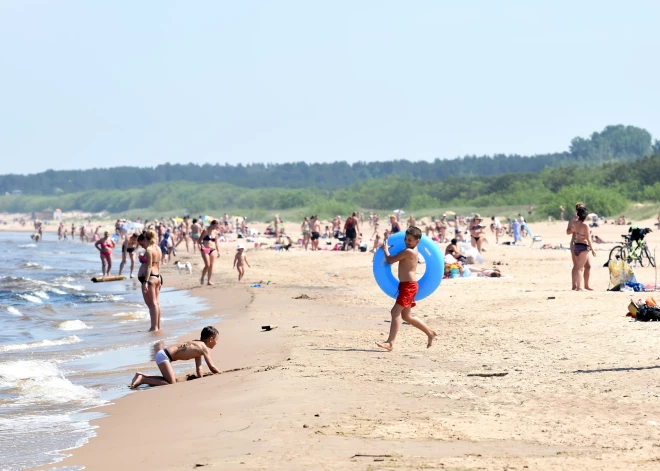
648,313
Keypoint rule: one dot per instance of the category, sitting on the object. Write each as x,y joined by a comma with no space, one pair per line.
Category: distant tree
614,143
656,147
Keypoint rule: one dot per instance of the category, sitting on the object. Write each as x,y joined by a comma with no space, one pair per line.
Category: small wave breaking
73,325
39,344
42,382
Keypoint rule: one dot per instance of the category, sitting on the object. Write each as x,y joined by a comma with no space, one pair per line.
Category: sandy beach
525,373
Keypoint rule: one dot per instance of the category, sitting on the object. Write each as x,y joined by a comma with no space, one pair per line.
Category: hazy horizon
93,85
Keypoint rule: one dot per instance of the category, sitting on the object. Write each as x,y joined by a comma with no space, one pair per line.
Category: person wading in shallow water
105,246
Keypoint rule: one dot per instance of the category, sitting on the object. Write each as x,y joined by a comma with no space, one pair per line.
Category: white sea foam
31,298
41,294
27,246
56,433
56,291
36,266
73,325
42,382
70,286
39,344
12,310
133,316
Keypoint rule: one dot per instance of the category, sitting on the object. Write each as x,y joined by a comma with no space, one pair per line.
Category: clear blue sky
97,84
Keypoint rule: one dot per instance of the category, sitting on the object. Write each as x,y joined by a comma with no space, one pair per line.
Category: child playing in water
240,260
405,300
195,349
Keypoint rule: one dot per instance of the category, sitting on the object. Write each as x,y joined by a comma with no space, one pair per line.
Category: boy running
185,351
405,301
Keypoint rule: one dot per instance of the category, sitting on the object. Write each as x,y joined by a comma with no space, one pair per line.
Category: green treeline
614,143
607,189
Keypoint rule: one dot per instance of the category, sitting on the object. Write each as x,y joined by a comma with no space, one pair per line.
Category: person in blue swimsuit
395,225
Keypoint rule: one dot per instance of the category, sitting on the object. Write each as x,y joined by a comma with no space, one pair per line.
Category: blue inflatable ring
435,266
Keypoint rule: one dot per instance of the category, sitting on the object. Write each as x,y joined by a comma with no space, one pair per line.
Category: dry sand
580,390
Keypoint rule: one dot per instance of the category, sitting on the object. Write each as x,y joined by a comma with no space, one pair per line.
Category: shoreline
577,386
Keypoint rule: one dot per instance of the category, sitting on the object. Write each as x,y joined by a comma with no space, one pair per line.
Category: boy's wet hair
415,232
208,332
454,241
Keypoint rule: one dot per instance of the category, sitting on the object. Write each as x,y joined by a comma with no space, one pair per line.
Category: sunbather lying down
598,240
486,272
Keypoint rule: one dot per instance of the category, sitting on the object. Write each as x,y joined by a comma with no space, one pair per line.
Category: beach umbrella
450,213
398,211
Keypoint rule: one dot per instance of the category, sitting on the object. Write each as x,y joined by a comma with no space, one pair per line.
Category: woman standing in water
150,277
105,246
208,244
128,251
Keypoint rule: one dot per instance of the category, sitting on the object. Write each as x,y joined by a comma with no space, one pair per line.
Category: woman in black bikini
150,277
208,245
581,246
477,233
128,251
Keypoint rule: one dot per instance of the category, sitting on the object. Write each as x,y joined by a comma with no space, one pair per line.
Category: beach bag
647,313
620,273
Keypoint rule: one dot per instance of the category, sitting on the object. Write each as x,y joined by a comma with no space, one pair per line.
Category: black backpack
648,313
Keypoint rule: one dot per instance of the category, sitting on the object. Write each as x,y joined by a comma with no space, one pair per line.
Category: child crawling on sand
185,351
405,300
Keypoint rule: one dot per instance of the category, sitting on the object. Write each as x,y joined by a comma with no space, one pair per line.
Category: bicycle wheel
617,253
651,258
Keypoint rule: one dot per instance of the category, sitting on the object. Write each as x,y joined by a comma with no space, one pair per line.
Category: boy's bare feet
201,281
432,337
137,380
210,283
588,289
386,345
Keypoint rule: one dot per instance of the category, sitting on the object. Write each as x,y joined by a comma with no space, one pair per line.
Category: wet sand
563,379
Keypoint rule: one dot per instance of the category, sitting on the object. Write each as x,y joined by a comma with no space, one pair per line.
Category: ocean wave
20,283
35,266
39,344
12,310
56,291
132,316
41,294
27,246
31,298
73,325
42,382
70,286
98,298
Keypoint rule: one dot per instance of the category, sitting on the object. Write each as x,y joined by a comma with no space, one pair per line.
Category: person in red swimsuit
405,300
105,246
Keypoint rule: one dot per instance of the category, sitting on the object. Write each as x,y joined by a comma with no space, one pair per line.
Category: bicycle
633,250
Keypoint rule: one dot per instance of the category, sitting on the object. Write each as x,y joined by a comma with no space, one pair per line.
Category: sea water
68,345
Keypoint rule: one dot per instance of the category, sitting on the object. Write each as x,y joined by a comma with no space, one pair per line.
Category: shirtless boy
240,260
405,301
195,349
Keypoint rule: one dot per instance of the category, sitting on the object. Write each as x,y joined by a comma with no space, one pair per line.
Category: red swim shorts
407,292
